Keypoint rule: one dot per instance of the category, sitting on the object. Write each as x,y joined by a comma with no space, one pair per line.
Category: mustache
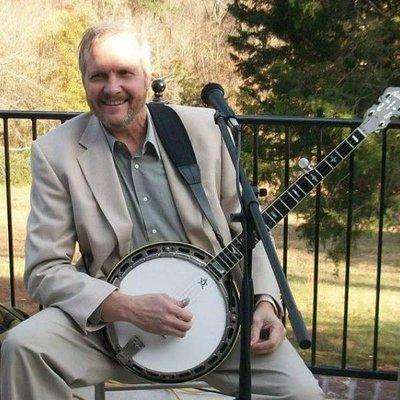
114,98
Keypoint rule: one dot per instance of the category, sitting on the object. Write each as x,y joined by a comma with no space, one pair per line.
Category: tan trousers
47,355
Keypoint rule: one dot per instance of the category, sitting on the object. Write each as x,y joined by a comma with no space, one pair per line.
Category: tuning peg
305,165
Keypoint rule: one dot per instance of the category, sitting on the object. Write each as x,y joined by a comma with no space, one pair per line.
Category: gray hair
102,29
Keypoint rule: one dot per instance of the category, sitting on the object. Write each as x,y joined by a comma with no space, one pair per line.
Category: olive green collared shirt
147,195
146,191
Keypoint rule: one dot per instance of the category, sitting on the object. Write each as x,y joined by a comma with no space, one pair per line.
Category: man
103,180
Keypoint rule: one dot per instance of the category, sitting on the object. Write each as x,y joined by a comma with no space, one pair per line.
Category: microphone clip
230,121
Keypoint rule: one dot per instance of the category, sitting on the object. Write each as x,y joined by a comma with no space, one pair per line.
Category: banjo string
181,295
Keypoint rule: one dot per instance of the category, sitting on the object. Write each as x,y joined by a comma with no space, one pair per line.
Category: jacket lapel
98,167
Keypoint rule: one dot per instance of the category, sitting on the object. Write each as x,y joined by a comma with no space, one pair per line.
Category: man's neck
134,135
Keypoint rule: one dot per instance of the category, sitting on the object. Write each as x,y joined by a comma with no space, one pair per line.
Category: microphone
213,96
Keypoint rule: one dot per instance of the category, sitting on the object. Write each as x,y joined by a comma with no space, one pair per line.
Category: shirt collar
150,141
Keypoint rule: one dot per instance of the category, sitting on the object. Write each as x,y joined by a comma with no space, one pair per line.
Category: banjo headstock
379,115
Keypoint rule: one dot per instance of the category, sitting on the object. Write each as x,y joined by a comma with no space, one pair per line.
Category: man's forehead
115,48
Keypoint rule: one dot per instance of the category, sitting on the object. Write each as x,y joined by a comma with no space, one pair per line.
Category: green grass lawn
301,275
331,283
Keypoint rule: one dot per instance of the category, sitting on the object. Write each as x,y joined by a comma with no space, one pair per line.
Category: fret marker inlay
314,177
333,160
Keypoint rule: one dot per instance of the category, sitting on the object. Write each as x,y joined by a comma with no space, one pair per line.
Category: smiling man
104,181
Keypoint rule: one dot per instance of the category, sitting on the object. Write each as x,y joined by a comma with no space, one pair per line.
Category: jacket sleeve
50,277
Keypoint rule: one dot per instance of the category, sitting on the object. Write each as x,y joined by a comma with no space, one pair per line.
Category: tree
322,58
60,70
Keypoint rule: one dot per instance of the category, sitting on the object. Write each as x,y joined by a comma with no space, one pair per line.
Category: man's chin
114,124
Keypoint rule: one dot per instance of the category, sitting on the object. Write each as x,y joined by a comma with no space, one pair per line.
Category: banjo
184,271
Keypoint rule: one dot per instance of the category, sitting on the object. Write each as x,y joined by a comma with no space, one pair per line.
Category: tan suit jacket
76,197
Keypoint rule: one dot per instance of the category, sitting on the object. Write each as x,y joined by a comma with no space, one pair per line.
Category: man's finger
180,312
274,335
175,332
181,325
255,331
180,303
172,325
263,347
184,302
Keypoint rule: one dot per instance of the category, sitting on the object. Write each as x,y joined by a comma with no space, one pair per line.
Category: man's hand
267,330
155,313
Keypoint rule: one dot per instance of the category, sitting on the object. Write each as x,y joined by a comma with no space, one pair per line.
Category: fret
236,257
224,257
279,202
219,267
333,159
315,170
347,140
216,269
353,138
326,161
236,251
357,136
313,178
289,201
280,206
230,256
271,216
305,185
237,243
335,151
344,149
295,192
312,184
281,213
275,213
298,187
223,260
323,168
219,264
270,222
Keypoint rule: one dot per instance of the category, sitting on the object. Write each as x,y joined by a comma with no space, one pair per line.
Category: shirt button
154,231
136,166
145,198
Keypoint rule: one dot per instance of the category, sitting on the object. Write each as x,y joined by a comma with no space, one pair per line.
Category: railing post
9,210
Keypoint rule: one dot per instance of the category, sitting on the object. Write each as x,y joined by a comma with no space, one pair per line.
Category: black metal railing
256,124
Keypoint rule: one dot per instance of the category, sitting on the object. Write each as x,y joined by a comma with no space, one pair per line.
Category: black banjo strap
176,142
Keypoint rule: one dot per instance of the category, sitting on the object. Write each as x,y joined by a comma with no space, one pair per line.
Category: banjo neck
376,119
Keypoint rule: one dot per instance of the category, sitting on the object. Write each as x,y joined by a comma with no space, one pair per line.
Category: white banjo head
178,271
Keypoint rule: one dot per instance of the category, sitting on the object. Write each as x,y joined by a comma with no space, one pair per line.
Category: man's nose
112,86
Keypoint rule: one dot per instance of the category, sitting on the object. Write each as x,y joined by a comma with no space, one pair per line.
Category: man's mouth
109,102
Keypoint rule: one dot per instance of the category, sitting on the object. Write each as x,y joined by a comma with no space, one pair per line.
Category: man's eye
96,77
126,73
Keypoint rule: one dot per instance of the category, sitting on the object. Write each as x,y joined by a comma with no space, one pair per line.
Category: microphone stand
252,223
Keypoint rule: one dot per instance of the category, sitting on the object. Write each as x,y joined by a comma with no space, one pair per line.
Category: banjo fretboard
377,118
